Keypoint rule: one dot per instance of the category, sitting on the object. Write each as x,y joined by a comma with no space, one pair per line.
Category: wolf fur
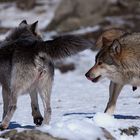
110,35
118,60
13,35
27,65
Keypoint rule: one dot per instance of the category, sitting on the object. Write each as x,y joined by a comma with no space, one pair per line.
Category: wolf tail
67,45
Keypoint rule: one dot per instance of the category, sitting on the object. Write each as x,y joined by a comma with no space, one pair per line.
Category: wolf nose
87,75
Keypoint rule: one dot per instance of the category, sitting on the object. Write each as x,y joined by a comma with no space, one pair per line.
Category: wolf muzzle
92,75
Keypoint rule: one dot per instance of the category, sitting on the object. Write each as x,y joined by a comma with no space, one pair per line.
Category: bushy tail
67,45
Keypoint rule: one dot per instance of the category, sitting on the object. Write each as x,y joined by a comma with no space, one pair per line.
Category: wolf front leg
114,91
35,108
11,109
45,88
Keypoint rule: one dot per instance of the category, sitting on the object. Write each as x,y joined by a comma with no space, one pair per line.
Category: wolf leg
114,91
5,96
35,108
11,109
20,81
45,87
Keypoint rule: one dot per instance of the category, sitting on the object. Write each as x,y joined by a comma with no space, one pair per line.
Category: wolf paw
38,120
2,127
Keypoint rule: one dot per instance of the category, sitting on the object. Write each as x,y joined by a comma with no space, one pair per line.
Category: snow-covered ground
77,103
10,16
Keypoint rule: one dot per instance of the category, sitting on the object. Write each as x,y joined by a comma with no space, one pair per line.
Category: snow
105,120
74,129
14,15
86,30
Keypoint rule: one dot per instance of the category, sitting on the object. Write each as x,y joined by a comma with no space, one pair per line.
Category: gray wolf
27,65
118,60
13,35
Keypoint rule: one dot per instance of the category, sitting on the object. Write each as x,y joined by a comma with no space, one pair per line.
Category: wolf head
24,30
107,62
107,59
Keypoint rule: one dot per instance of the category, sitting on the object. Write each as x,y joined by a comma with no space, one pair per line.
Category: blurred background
87,18
70,15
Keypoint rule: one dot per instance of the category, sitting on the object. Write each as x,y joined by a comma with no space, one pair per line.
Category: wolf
12,36
27,66
118,60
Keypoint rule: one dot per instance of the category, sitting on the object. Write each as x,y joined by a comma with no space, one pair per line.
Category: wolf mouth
96,79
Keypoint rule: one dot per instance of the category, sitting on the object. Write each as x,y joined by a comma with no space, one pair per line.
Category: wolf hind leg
114,91
18,85
10,111
45,88
35,108
5,96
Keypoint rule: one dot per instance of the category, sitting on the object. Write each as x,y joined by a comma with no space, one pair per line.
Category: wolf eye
99,63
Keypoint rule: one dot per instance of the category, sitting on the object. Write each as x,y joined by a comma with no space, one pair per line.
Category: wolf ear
116,47
106,41
24,22
33,26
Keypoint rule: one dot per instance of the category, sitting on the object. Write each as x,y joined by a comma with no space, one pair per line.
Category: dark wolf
13,35
27,65
119,61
